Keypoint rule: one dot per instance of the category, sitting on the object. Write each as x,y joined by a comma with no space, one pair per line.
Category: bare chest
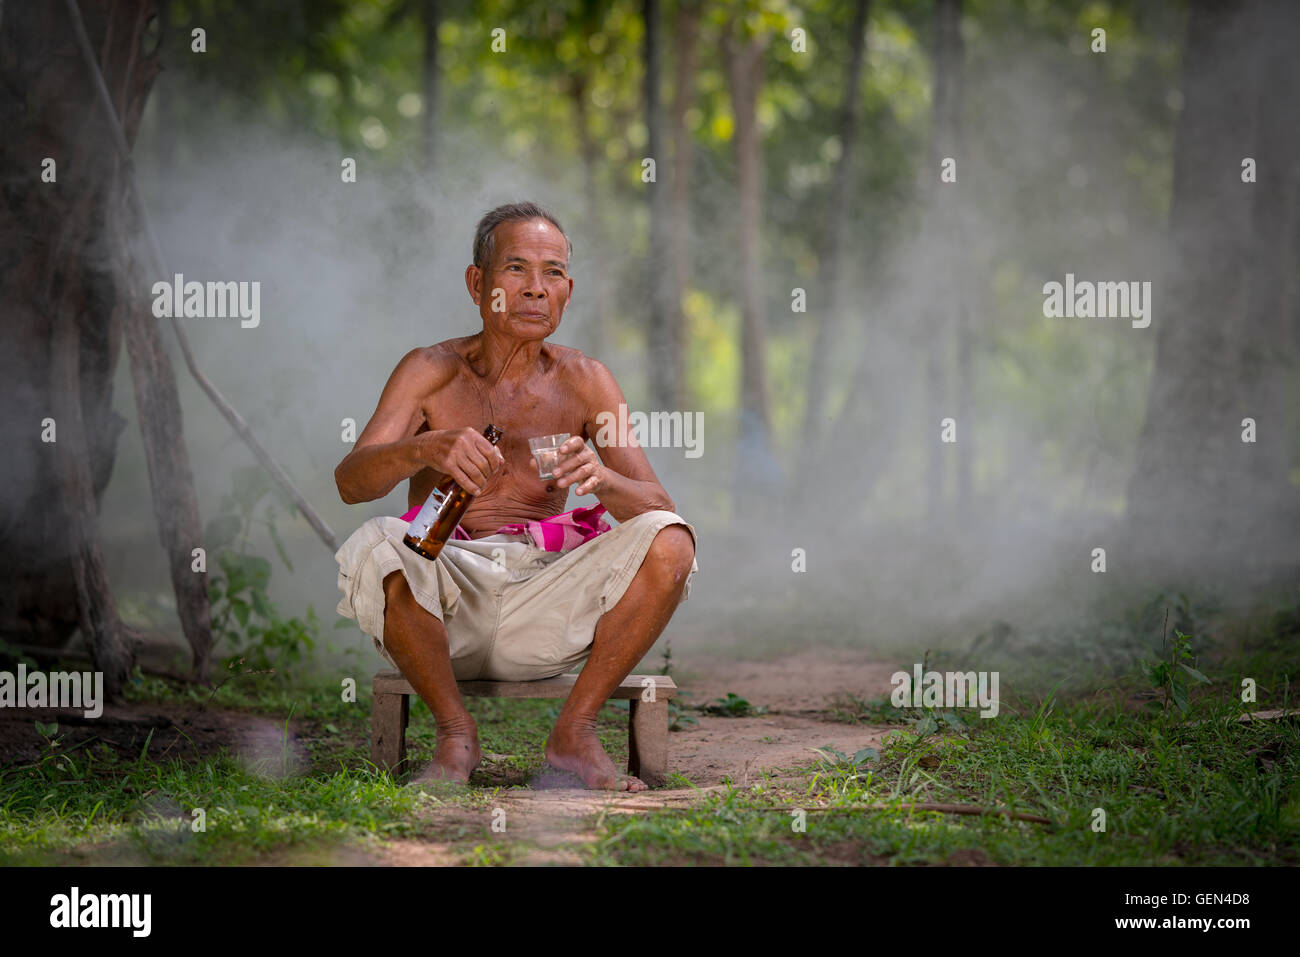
541,407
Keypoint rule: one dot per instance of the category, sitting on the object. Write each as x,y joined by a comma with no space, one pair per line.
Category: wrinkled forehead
534,239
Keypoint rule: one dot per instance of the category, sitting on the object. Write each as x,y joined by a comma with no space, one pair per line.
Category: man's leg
623,635
417,642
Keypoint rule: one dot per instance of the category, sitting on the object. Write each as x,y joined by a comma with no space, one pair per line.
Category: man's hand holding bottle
463,455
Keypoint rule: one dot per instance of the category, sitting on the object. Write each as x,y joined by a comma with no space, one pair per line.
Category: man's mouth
531,315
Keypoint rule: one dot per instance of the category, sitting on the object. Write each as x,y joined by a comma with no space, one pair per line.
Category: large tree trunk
1190,443
1268,513
661,348
757,472
686,31
596,267
940,238
73,289
835,237
64,308
430,16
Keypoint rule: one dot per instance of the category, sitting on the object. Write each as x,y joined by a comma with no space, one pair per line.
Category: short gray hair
509,213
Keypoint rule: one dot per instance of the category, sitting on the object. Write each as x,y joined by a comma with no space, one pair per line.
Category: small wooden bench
647,728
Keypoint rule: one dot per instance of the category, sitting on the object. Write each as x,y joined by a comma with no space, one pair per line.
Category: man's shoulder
439,362
578,367
448,351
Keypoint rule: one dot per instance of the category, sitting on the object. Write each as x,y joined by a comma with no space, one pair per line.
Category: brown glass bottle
442,511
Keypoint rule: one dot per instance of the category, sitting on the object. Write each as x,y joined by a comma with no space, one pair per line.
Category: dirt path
796,690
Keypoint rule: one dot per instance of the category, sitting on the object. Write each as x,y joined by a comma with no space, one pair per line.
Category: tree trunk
64,314
111,643
1182,478
831,256
950,139
686,31
430,17
75,256
661,348
1268,512
940,236
597,268
757,472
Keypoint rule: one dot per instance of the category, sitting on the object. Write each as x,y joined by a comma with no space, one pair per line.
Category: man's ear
473,279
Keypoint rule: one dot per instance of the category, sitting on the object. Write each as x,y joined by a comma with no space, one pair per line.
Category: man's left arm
621,477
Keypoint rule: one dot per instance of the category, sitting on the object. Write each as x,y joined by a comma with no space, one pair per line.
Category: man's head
520,276
484,240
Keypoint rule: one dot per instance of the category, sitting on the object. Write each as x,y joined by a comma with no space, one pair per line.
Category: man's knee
672,552
399,601
394,586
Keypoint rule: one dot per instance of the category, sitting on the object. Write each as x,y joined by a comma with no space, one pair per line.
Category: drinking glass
546,450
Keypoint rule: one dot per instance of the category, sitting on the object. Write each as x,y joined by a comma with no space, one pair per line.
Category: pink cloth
559,533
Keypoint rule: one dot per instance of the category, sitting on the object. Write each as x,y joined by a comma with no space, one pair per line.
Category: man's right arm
389,450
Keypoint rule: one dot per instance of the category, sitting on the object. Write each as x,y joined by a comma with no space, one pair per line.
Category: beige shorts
513,611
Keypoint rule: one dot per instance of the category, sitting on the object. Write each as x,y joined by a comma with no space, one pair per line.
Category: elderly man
521,591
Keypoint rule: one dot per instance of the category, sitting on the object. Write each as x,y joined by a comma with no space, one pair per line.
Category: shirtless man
428,424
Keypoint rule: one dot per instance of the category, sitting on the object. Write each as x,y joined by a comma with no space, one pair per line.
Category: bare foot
574,747
455,757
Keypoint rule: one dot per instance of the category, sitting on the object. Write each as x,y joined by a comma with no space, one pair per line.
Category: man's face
530,267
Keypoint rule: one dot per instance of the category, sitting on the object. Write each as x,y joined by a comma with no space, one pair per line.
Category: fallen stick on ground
627,807
1277,714
78,654
924,806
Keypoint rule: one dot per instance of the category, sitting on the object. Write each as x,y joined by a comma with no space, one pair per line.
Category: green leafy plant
928,723
667,667
242,612
836,758
1175,673
925,720
678,719
58,763
732,706
854,709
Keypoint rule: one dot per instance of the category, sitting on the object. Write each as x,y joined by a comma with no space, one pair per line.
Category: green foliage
1206,792
926,720
243,615
1173,675
834,758
1216,793
732,706
12,653
484,855
854,709
678,718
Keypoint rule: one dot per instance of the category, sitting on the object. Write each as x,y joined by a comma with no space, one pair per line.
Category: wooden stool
647,727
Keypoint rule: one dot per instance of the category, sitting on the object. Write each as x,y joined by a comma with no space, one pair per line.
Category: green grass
1068,740
144,811
91,803
1216,793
